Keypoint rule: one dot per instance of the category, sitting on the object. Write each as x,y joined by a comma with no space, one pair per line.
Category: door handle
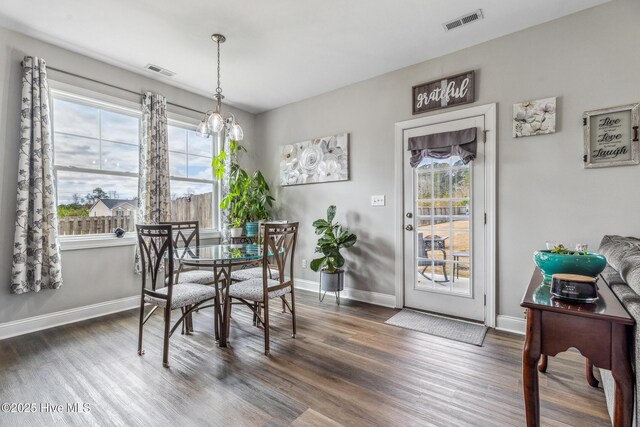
409,215
409,227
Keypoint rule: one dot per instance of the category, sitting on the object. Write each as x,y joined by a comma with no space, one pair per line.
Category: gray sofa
623,275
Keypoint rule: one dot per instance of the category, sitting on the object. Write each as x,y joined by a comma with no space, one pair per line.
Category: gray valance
461,143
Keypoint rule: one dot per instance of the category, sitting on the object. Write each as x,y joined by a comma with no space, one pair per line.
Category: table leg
530,357
225,279
623,377
591,379
542,365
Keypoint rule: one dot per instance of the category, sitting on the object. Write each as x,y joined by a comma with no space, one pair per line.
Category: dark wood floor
345,367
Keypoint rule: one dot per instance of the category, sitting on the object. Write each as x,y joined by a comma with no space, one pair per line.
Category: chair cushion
252,289
252,273
203,277
183,294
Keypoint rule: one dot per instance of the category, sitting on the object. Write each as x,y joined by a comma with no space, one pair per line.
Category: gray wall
588,60
92,275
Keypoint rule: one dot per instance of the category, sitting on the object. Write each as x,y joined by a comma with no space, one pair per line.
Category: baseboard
375,298
511,324
51,320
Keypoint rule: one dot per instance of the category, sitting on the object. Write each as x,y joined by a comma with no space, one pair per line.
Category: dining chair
156,244
279,244
256,272
188,235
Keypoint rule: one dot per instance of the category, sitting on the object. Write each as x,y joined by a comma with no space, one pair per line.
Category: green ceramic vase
549,263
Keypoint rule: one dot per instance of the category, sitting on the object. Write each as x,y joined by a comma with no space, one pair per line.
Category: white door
444,244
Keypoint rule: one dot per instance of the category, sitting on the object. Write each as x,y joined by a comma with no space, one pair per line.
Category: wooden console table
599,331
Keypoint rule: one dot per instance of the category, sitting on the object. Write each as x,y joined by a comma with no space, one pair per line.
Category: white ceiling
277,51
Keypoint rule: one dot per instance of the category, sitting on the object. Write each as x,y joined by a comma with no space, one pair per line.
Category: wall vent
463,20
159,70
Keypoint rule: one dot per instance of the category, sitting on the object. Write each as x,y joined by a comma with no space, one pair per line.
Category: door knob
409,215
409,227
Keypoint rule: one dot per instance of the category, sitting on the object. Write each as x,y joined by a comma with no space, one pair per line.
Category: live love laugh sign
443,93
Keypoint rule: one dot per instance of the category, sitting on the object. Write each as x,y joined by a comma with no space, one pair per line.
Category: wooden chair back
279,248
155,241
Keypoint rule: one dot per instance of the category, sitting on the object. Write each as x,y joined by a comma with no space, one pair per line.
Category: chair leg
216,307
140,327
228,319
255,317
293,312
284,306
266,327
167,328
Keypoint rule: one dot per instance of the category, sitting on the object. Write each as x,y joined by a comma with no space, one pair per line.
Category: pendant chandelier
214,120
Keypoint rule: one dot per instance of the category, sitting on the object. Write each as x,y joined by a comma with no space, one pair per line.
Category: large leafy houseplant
249,198
333,238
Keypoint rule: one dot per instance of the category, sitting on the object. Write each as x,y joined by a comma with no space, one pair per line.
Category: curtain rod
118,87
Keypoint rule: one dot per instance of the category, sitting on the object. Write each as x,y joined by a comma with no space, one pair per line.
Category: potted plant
236,228
333,238
249,198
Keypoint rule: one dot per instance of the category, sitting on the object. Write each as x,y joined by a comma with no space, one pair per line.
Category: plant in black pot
333,238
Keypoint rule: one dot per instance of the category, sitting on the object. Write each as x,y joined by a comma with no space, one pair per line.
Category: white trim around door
489,111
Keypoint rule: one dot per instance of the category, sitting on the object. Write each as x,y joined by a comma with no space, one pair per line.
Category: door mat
457,330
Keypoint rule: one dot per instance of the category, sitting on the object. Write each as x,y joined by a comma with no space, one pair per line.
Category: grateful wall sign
443,93
611,137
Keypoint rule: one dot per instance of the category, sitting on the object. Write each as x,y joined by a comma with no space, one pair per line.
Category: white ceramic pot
236,232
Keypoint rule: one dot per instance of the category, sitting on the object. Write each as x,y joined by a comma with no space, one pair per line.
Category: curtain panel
461,143
36,249
154,195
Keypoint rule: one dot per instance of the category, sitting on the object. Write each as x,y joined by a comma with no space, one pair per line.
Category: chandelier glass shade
214,121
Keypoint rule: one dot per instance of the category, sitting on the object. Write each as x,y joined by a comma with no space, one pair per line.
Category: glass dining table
221,259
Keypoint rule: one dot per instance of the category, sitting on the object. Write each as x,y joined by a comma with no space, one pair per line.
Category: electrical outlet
377,200
304,263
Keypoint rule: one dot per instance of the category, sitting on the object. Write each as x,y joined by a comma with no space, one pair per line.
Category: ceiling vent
159,70
463,20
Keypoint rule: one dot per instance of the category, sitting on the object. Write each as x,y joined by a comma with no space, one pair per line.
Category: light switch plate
377,200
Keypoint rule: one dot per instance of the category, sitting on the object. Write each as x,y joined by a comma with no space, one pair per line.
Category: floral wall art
537,117
316,160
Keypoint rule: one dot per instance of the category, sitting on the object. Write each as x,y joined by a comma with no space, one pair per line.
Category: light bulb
202,130
216,122
236,132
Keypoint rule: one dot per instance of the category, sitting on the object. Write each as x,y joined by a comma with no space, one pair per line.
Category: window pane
177,139
119,157
192,201
177,164
76,119
200,167
120,127
200,145
76,151
93,203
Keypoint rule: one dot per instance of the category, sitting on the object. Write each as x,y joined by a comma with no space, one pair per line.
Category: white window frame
95,241
192,124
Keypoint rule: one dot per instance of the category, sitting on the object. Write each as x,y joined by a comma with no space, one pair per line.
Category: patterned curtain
224,190
36,249
154,196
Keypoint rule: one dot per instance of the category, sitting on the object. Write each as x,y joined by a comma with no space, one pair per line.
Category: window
96,163
96,146
192,185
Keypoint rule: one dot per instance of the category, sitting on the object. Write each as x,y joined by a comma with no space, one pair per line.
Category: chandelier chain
218,89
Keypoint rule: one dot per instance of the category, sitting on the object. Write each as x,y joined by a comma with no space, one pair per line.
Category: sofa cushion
623,254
